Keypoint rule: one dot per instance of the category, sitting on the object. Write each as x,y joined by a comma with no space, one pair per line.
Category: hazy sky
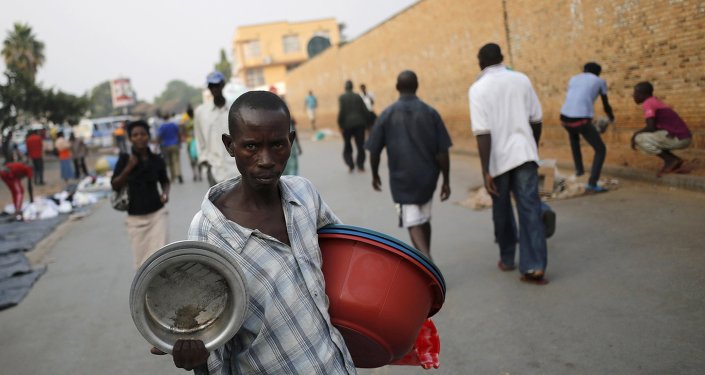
154,41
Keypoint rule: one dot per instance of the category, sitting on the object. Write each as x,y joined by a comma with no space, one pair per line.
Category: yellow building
263,54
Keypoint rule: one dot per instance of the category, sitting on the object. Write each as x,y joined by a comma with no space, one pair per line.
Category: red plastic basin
379,298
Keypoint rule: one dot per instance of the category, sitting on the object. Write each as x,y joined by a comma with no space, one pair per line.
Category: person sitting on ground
11,173
269,224
576,117
664,130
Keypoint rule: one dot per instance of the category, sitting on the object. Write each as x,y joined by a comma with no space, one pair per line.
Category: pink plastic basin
379,298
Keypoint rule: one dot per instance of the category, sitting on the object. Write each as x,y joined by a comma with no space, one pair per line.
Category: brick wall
437,39
661,40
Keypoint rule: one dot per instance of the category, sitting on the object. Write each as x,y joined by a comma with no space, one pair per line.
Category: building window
255,77
252,49
291,43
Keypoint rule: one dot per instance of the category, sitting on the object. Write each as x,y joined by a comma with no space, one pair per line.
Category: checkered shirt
287,329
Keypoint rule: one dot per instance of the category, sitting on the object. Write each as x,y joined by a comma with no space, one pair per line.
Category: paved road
627,291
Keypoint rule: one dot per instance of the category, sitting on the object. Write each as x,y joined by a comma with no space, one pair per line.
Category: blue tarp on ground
24,235
16,273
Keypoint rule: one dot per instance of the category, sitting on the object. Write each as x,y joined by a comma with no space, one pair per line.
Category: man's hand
376,182
164,198
490,186
445,192
189,354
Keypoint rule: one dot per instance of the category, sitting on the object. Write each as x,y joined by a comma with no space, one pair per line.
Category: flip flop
531,278
672,169
683,169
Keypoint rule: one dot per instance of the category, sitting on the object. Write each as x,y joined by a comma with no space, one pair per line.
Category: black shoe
549,223
181,180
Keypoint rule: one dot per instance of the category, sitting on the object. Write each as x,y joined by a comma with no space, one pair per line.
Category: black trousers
359,135
592,137
38,166
79,165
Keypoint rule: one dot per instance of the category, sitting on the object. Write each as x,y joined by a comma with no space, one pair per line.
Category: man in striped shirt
269,225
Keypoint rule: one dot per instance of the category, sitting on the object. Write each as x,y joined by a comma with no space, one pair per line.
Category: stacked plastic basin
381,292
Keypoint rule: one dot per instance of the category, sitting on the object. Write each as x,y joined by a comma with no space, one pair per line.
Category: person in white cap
210,123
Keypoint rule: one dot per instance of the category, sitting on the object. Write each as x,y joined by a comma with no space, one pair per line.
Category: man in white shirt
369,100
210,123
506,120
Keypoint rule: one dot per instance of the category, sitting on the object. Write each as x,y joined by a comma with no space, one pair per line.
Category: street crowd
247,151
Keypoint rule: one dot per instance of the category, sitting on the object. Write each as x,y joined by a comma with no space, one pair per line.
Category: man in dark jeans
506,120
576,117
352,118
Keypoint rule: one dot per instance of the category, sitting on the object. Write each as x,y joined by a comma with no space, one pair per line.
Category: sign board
122,93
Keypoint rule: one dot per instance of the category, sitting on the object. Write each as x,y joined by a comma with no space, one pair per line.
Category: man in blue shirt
311,105
576,117
417,145
170,143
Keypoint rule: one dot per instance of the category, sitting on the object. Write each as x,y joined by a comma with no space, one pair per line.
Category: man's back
169,134
35,146
503,103
353,112
311,102
413,133
666,118
583,89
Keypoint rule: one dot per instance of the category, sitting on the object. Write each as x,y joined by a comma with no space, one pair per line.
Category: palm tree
23,53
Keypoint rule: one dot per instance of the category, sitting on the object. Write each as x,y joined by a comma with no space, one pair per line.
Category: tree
60,107
20,100
177,96
224,65
100,100
22,52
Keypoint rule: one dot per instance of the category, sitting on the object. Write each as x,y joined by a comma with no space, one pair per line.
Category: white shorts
411,215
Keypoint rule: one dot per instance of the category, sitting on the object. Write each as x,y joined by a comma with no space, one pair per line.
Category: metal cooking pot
188,290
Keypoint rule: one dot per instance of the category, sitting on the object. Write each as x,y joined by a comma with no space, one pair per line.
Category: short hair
348,85
592,67
260,100
407,81
645,87
491,52
136,124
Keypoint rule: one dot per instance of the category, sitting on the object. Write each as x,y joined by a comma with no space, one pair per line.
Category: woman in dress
143,173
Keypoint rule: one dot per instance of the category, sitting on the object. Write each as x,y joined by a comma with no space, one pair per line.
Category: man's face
261,146
139,137
216,89
638,96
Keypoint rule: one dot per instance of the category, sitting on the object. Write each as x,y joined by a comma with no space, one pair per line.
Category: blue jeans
522,182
